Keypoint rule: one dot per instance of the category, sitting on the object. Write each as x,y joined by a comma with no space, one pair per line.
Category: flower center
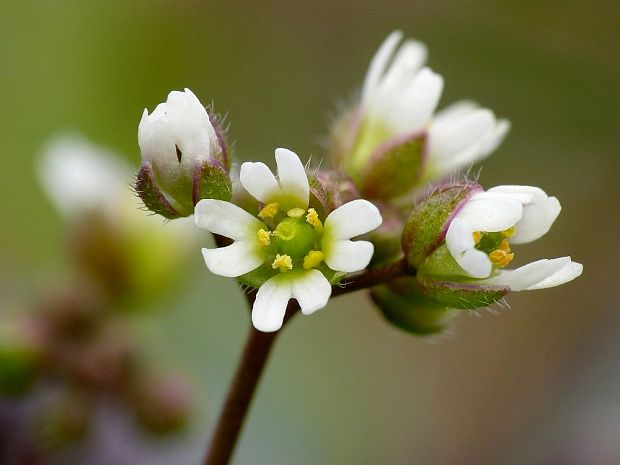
291,239
496,246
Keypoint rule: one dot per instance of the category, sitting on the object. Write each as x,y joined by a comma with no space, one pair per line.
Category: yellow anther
477,237
269,211
509,232
264,238
296,212
313,259
500,257
505,246
283,262
313,219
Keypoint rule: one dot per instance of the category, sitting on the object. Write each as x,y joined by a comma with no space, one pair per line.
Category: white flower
399,97
480,234
80,177
287,240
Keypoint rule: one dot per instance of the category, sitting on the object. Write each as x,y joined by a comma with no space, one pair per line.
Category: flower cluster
288,236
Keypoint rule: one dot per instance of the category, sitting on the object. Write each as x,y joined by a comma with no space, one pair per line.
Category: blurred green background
538,383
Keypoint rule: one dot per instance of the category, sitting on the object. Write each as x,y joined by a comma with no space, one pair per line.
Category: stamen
501,258
509,232
313,219
296,212
283,262
269,211
313,259
264,238
477,237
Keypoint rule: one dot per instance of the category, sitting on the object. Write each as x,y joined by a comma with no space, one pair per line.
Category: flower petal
569,272
348,256
292,176
234,260
413,109
259,181
226,219
270,305
312,291
460,242
352,219
379,64
491,214
538,214
530,275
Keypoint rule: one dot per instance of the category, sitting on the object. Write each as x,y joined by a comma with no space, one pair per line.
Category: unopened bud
404,307
162,403
184,157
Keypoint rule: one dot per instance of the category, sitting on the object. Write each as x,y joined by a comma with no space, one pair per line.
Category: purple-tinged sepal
425,229
394,168
460,295
152,197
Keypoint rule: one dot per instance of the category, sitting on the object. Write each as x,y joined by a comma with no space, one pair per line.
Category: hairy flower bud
403,306
184,157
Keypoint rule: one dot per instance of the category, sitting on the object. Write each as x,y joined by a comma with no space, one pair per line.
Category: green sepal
256,278
410,311
394,167
425,229
211,181
152,197
466,296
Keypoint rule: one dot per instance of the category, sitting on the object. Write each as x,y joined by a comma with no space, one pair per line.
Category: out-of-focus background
536,383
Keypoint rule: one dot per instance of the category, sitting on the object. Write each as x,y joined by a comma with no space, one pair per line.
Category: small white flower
480,234
80,177
399,97
287,239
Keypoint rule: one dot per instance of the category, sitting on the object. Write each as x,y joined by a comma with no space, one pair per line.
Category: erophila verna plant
385,216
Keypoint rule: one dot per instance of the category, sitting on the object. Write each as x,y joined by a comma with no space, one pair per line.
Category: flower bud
20,354
404,307
162,404
184,157
386,238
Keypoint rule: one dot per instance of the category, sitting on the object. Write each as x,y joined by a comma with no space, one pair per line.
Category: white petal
404,67
457,140
352,219
226,219
498,135
530,275
460,242
569,272
379,63
312,291
234,260
538,214
270,304
259,181
413,109
348,256
490,214
455,110
292,176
